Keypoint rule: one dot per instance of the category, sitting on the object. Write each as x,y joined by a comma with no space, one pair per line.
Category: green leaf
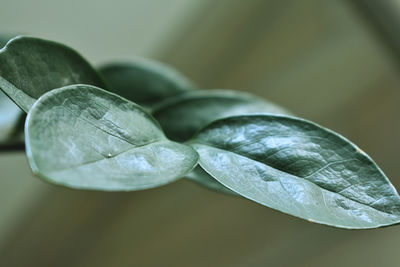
83,137
10,118
182,116
10,114
30,67
144,81
199,176
299,168
4,38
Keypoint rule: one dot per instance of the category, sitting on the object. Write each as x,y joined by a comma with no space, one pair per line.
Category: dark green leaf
10,114
182,116
144,81
10,118
83,137
4,38
300,168
30,67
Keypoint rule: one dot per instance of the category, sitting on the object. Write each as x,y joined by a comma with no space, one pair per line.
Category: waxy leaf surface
299,168
181,117
144,81
83,137
30,67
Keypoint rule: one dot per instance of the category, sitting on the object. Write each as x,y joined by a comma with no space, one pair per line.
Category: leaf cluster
140,124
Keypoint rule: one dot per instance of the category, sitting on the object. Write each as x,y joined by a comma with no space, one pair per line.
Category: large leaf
30,67
300,168
182,116
10,114
145,81
83,137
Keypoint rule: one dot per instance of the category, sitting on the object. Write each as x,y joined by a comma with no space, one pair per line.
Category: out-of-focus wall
99,30
320,59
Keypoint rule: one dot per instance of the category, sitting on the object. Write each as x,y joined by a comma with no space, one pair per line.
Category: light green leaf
83,137
299,168
30,67
10,114
182,116
144,81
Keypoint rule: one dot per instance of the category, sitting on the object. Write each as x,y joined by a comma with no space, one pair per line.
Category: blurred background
334,62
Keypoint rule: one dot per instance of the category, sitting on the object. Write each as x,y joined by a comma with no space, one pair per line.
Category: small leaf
144,81
83,137
30,67
299,168
10,114
181,117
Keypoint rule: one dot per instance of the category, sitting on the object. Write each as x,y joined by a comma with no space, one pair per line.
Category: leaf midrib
221,148
108,158
122,138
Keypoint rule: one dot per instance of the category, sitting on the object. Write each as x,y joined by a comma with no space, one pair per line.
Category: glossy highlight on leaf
84,137
181,117
145,81
30,67
299,168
